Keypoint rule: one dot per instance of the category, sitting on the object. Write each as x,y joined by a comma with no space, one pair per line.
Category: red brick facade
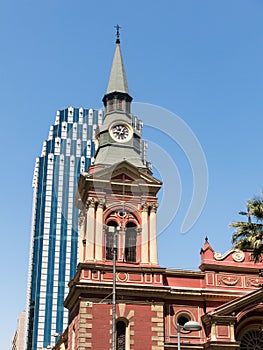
224,296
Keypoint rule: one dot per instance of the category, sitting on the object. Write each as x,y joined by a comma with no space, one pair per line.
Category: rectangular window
130,244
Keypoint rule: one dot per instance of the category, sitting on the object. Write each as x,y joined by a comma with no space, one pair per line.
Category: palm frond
255,207
249,235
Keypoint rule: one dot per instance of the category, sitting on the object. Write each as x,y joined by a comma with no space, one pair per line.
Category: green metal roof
117,81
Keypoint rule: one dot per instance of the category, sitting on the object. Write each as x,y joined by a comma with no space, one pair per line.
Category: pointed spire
117,81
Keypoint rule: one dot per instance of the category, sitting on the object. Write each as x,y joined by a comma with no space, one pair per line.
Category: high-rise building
68,151
18,340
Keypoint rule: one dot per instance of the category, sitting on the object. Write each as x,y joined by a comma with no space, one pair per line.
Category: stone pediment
124,171
220,323
115,178
234,307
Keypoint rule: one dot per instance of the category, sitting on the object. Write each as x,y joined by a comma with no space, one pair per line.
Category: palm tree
248,235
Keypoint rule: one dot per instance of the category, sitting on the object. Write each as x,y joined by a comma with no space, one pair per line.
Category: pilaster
153,235
99,231
144,235
90,234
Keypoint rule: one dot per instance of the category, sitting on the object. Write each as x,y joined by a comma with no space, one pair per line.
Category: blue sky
201,60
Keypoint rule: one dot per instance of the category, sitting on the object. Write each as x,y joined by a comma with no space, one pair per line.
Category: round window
182,319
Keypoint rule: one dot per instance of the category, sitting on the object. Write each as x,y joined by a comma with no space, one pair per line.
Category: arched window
130,242
111,229
111,105
121,335
120,105
252,339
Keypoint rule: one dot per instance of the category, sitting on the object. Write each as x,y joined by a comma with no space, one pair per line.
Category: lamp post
188,327
115,250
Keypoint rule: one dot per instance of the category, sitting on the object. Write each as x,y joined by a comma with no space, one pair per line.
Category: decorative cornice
237,255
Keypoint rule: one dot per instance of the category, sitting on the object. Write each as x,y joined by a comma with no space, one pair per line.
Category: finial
117,33
206,239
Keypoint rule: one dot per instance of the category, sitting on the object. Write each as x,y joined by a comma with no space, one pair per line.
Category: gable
235,306
124,171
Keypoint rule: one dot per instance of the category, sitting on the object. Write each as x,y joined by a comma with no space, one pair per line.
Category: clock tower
118,195
119,138
116,287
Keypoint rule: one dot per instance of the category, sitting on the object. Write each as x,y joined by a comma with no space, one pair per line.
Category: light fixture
188,327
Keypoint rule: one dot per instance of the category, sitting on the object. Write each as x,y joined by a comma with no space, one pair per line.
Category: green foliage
248,235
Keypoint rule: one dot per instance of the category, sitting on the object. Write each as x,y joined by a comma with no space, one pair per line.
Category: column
144,235
81,236
232,332
90,234
99,231
213,331
153,235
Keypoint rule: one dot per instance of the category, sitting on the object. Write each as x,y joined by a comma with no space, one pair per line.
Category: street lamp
188,327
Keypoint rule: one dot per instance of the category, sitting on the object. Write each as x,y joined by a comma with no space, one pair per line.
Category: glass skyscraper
68,151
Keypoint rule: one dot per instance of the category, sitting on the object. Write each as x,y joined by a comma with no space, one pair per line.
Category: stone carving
229,281
91,202
101,203
237,255
255,282
81,218
122,276
154,207
145,206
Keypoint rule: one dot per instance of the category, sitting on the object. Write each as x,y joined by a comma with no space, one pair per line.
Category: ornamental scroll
237,255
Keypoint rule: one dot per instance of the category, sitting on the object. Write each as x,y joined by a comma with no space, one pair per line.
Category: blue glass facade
68,151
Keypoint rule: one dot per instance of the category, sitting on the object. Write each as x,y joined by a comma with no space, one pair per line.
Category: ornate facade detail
95,202
237,255
145,206
229,280
254,282
154,207
91,202
122,276
101,203
82,216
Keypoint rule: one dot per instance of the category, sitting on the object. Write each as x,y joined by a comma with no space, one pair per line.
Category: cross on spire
117,33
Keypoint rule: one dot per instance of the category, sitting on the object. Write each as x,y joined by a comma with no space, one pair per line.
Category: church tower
118,193
118,285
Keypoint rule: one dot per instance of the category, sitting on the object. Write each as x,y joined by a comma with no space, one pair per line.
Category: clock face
120,132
